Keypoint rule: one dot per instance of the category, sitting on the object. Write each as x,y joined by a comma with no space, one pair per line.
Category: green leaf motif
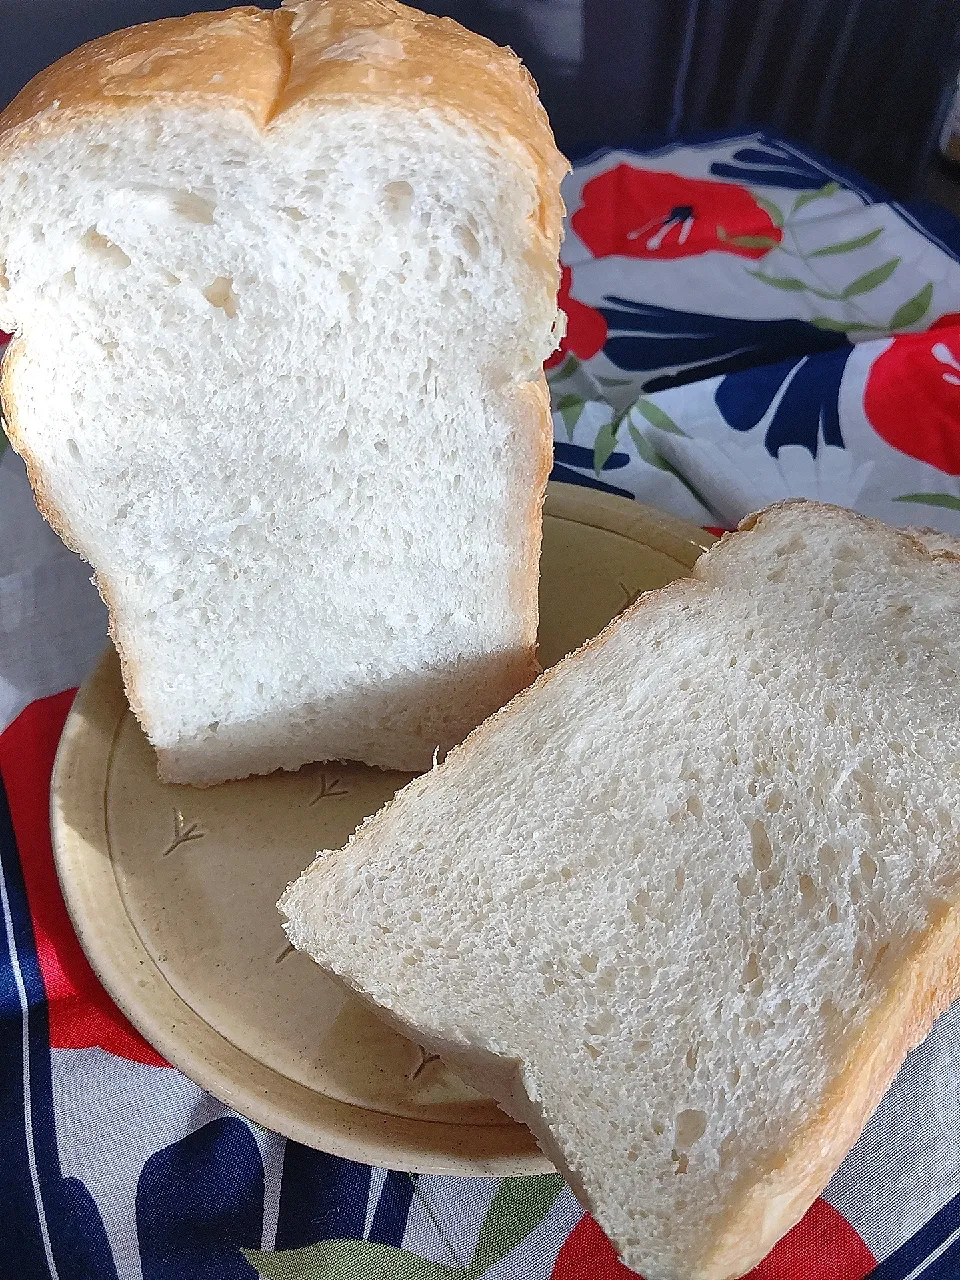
806,197
846,326
871,279
519,1206
932,500
776,215
605,443
570,408
563,371
913,309
790,283
847,246
347,1260
656,416
755,242
655,459
647,452
614,382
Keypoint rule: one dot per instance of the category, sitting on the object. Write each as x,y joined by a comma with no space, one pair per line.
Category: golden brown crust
232,59
269,63
318,52
378,50
534,440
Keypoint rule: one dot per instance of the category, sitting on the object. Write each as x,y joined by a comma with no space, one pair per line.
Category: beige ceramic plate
172,893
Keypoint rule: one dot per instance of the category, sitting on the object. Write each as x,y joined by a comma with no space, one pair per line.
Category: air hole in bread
689,1128
589,962
219,293
338,445
73,449
760,847
773,802
638,908
868,869
833,913
751,970
104,249
293,213
468,243
692,1057
808,890
398,198
193,207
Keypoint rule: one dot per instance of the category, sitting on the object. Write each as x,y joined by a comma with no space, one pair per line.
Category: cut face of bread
277,376
685,904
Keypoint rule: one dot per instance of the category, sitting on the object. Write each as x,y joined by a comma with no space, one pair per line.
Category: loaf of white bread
684,905
282,284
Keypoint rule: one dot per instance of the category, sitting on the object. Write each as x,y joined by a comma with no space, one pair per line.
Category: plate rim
189,1043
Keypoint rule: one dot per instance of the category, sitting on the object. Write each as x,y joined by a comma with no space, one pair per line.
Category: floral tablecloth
746,323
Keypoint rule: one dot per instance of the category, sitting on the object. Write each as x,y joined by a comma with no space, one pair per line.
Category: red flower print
643,213
822,1246
586,328
587,1254
912,396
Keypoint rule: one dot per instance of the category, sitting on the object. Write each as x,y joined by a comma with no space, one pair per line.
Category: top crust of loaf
769,1200
272,68
308,54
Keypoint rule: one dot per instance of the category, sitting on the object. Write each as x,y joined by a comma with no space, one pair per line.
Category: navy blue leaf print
79,1240
645,337
577,456
199,1201
771,166
393,1208
808,410
567,456
322,1197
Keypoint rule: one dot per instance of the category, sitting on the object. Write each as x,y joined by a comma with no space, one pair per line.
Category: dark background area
868,82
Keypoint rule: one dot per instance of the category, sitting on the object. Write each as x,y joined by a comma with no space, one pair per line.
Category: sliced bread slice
282,285
684,905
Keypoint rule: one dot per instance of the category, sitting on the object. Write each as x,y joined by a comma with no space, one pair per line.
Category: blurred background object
867,82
